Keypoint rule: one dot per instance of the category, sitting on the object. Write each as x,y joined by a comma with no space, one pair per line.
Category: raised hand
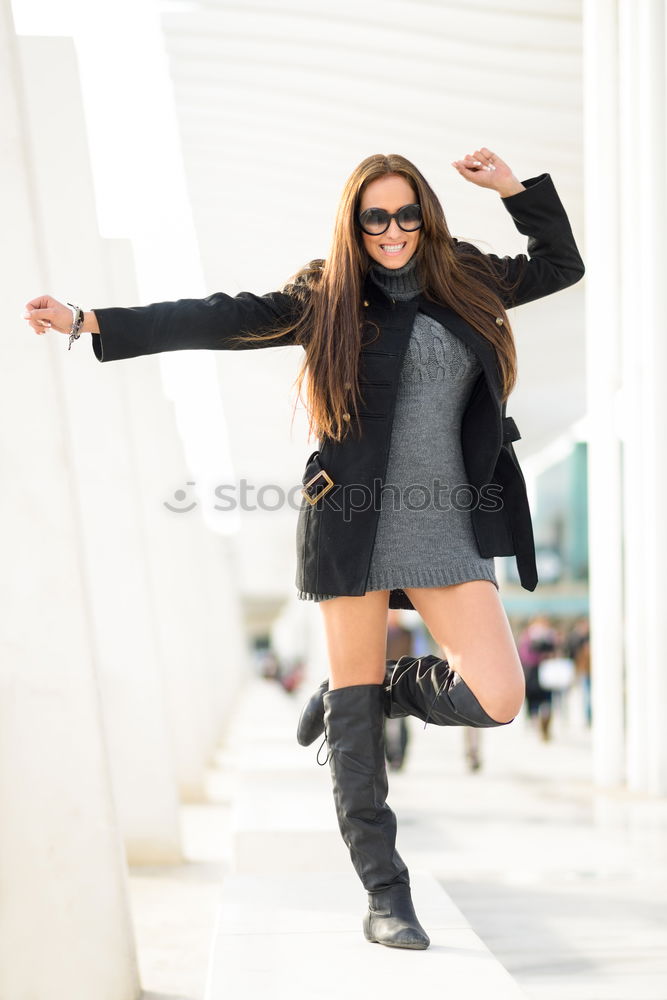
488,170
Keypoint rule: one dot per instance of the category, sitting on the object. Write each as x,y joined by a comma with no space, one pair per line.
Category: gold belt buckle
329,483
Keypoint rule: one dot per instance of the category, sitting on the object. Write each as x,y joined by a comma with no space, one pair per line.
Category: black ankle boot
311,720
427,688
354,726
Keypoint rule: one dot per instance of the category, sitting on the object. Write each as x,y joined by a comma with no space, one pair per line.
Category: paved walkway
565,885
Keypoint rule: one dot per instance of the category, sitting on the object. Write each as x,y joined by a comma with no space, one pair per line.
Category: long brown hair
331,322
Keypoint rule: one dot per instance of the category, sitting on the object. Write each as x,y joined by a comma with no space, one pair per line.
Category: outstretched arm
209,323
553,261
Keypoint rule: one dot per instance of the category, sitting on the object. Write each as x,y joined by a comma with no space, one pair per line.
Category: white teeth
392,247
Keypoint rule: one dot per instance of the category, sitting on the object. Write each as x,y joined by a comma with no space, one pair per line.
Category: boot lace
322,763
396,680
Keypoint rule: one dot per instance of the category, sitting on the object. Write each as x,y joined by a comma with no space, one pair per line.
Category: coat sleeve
192,324
553,261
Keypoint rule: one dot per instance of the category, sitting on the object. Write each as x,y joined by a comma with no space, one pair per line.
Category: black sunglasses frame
394,215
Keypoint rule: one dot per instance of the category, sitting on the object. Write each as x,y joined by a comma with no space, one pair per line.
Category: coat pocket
375,397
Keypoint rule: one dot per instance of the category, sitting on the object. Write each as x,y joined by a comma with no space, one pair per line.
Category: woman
409,322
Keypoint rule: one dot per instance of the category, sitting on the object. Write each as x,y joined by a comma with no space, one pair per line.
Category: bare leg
356,631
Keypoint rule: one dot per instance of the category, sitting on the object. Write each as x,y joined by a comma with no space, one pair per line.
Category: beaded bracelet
77,323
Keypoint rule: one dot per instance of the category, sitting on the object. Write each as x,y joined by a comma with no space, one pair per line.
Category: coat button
346,416
366,303
499,320
348,385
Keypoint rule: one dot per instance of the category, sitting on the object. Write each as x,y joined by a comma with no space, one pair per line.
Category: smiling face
394,248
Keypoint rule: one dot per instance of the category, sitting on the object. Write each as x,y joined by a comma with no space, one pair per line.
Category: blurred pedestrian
536,642
400,642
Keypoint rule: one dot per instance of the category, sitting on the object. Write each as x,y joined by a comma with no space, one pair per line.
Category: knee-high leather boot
423,686
427,688
354,726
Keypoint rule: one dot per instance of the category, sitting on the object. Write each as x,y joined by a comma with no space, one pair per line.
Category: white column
627,218
649,178
602,358
64,922
103,461
637,529
169,657
197,612
229,664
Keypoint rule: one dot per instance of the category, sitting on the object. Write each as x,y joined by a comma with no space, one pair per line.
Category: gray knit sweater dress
425,536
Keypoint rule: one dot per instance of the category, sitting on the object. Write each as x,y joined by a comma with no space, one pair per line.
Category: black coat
336,534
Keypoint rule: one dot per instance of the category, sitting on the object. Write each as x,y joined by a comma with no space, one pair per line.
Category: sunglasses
375,221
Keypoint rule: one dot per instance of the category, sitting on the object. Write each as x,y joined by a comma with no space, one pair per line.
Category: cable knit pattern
425,536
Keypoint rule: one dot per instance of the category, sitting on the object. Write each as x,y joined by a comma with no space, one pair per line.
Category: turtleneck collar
398,282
